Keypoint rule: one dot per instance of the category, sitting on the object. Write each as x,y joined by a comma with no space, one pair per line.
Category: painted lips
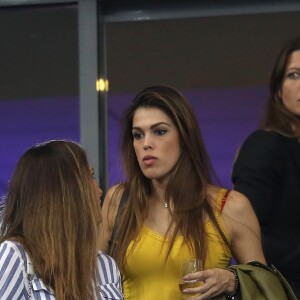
149,160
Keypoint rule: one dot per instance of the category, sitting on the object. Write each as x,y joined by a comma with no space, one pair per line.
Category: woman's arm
243,227
244,231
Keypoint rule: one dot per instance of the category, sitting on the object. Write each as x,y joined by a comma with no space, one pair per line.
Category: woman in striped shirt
50,229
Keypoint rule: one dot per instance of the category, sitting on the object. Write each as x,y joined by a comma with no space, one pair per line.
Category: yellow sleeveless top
148,277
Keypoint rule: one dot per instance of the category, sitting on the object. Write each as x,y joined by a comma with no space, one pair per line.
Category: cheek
173,150
177,153
287,95
283,94
137,150
97,189
287,91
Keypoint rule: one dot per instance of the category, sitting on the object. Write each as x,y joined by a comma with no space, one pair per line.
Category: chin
151,175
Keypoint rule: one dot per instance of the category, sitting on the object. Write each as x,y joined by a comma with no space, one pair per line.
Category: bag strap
123,201
223,201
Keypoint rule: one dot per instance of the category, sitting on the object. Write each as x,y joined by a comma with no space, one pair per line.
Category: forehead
150,115
294,60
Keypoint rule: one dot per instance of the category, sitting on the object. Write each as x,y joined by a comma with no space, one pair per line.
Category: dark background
221,63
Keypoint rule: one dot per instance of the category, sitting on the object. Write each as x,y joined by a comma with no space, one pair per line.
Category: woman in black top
267,169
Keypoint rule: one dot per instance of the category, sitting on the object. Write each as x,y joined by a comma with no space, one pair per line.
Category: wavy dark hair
52,210
277,117
193,173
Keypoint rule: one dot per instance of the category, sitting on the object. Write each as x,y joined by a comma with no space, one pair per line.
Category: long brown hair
277,117
52,210
193,173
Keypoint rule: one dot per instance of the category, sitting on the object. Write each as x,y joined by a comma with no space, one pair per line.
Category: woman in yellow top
173,211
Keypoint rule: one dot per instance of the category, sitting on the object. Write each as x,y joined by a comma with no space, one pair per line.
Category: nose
100,192
147,143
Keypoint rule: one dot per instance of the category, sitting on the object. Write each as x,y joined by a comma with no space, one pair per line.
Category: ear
279,93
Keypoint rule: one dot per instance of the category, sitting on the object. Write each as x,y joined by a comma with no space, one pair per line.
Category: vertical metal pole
103,108
93,103
88,75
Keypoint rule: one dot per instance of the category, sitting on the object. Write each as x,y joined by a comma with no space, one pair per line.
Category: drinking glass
187,267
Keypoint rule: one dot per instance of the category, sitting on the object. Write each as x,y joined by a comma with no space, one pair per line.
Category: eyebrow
154,125
289,68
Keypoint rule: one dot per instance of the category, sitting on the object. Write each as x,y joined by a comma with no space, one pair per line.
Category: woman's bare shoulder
237,205
244,229
239,215
113,195
109,211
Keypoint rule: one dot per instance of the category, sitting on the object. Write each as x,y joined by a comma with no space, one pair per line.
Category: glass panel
222,64
39,80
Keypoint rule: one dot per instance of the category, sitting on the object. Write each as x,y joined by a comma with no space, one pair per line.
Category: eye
293,75
137,135
160,132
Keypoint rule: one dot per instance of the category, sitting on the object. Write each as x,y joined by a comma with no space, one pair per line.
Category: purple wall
226,117
25,122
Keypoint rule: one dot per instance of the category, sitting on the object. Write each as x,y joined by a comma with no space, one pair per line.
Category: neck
158,194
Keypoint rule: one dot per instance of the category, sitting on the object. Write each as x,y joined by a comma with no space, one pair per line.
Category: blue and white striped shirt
14,284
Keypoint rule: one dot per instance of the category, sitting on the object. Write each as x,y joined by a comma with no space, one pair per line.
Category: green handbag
260,282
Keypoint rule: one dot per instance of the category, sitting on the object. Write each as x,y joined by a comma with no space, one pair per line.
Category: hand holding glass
187,267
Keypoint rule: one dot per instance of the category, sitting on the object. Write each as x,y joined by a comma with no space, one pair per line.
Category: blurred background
218,54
